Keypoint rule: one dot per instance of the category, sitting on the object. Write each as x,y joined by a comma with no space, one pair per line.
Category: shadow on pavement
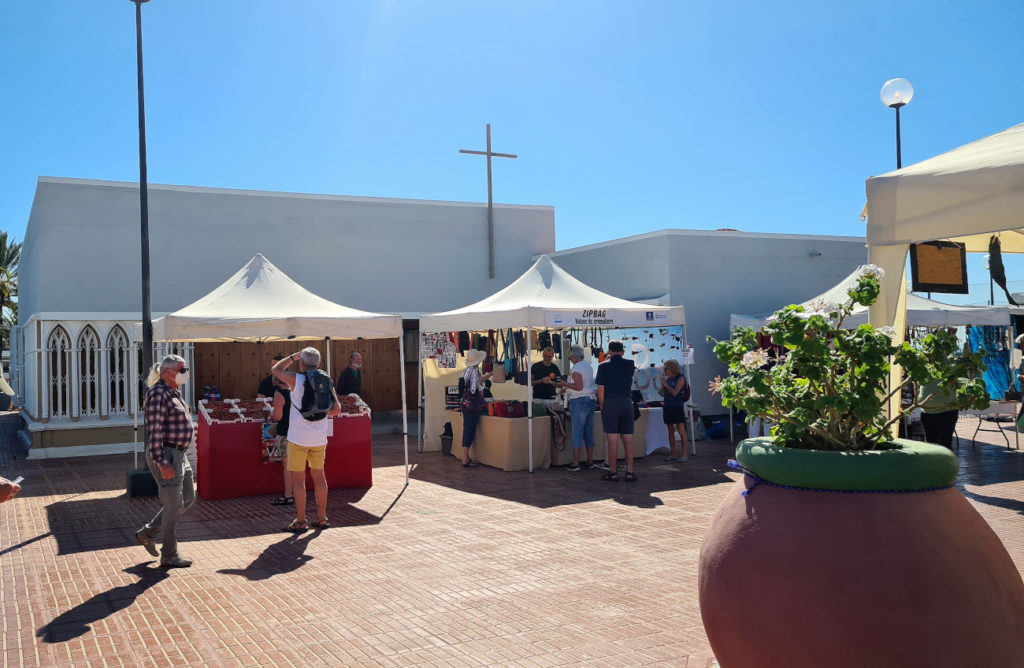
281,557
76,621
557,486
85,523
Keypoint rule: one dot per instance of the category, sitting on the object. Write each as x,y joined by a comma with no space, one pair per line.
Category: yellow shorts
299,455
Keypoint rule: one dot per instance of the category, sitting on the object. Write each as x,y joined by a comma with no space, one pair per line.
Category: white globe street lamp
897,93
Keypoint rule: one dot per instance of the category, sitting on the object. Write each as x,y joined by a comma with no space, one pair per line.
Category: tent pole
689,408
529,395
405,417
328,340
421,403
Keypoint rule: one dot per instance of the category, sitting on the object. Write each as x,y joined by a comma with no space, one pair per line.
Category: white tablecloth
656,435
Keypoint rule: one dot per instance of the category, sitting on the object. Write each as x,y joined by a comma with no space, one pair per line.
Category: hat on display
474,357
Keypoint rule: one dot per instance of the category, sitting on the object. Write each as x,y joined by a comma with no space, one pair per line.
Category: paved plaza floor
464,567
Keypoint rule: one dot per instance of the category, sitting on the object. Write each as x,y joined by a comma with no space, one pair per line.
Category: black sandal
611,476
283,501
470,463
297,526
630,476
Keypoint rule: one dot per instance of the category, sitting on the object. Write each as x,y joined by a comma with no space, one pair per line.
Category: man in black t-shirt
614,396
543,373
266,388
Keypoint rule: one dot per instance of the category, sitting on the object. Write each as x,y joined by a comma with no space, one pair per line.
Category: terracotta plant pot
792,577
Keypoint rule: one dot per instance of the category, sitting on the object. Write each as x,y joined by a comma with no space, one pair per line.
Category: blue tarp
991,341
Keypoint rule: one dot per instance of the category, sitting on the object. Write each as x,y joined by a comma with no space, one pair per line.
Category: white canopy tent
965,195
261,303
547,296
921,312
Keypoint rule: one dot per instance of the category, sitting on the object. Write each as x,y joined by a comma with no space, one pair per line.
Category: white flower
755,358
821,306
870,270
715,386
886,330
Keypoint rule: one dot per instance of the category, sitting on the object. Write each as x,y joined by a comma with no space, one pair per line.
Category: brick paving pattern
465,567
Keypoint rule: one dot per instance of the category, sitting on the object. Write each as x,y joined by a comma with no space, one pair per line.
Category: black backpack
317,395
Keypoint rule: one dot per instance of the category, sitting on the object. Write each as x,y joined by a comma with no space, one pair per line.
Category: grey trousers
177,495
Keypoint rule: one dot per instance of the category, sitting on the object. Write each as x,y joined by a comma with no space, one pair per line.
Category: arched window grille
89,371
58,351
119,369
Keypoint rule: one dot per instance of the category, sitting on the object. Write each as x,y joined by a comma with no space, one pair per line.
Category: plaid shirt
167,421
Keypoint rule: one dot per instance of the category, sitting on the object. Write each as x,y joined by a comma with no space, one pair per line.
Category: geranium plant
831,388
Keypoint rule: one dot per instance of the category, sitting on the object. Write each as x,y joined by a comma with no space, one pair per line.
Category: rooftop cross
490,197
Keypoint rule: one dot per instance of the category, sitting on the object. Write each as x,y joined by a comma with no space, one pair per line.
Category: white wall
82,246
715,274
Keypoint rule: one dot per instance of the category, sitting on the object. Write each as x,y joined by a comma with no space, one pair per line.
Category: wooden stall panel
206,363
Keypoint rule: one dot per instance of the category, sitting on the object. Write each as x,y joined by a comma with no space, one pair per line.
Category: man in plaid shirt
168,436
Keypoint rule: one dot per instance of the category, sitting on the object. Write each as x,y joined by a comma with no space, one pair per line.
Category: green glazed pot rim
913,466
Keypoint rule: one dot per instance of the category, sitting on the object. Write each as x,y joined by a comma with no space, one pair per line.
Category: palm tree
10,256
8,321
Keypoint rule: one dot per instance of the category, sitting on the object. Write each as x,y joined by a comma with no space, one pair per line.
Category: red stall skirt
230,459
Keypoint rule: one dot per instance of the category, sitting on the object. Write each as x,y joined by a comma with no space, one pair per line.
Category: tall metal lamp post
897,93
139,481
147,312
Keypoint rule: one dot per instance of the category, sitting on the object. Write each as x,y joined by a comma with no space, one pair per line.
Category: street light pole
147,312
899,152
897,93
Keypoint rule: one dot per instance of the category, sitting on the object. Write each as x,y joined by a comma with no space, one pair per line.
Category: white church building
79,279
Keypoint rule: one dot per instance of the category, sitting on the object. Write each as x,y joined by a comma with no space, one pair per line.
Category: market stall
544,297
230,466
968,195
261,303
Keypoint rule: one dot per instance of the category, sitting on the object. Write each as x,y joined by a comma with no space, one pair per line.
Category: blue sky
627,117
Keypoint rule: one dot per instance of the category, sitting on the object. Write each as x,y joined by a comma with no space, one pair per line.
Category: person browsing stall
473,382
614,397
582,395
267,385
281,414
673,387
307,439
169,433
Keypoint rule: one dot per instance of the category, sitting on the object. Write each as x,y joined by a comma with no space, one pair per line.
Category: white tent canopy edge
921,312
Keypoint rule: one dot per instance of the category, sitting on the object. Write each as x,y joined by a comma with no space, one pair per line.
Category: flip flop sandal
283,501
610,477
471,464
630,476
320,524
297,526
